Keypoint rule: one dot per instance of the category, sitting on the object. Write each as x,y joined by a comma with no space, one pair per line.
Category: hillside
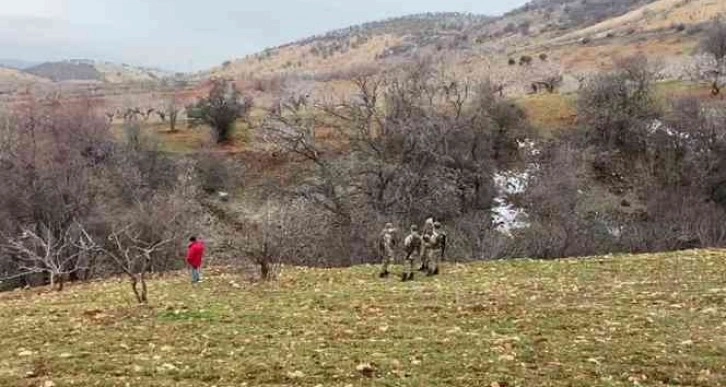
124,73
66,71
572,37
649,320
85,70
10,79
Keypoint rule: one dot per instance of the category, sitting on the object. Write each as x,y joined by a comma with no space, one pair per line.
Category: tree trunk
144,269
91,271
135,287
144,298
172,122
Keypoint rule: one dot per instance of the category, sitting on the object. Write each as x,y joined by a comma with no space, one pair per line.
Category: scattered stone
166,367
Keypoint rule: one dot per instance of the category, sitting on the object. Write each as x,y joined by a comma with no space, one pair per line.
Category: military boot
384,274
436,271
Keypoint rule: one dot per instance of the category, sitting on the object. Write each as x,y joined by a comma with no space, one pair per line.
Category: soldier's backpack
412,243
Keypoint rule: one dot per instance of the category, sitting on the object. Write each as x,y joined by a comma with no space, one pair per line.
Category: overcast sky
189,35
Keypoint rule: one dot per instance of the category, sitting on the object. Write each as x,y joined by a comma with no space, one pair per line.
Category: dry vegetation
661,15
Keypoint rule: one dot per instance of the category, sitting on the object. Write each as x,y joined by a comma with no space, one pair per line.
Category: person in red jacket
195,258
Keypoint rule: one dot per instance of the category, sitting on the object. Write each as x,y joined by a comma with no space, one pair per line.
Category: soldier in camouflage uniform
428,229
435,249
414,247
386,246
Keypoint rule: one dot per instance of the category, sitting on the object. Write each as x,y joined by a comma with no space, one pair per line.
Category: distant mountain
17,64
66,71
90,70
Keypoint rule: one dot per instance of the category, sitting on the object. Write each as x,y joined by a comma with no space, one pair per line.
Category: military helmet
414,228
437,225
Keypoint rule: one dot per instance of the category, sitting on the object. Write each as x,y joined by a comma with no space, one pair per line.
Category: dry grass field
649,320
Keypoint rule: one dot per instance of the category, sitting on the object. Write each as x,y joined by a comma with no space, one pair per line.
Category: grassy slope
653,320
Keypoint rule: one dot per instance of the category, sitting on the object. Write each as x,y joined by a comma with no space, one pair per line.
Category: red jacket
195,254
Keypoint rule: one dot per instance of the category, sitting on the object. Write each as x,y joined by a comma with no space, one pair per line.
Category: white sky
187,35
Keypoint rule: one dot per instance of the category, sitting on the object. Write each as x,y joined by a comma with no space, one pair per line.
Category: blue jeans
196,275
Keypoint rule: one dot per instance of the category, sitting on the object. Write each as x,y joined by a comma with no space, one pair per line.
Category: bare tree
44,253
142,235
131,114
554,203
133,254
618,108
294,131
268,246
147,113
172,109
51,156
713,66
162,115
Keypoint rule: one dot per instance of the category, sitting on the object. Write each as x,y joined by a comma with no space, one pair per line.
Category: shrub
223,106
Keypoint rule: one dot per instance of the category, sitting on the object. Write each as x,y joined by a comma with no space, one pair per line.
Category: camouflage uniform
428,229
414,248
386,246
435,249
